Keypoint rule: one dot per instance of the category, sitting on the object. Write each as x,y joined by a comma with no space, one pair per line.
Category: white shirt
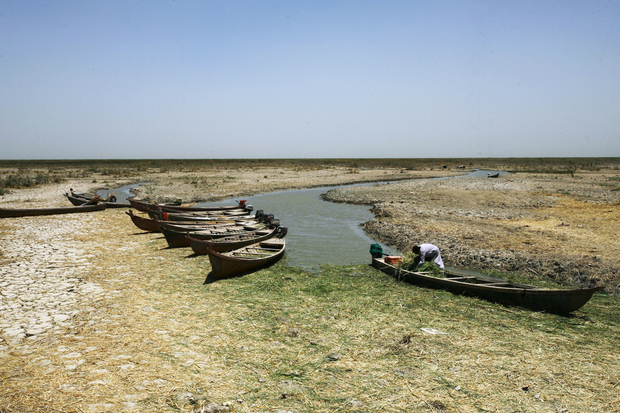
430,252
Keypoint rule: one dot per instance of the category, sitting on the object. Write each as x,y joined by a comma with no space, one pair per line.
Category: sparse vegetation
346,338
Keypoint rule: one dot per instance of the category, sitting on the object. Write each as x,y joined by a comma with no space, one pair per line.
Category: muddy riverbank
547,226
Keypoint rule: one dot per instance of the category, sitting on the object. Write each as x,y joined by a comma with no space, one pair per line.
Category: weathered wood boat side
145,206
232,242
197,226
25,212
153,225
181,216
80,200
246,259
496,290
178,239
143,223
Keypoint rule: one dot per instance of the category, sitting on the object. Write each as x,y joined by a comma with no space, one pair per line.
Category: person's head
415,249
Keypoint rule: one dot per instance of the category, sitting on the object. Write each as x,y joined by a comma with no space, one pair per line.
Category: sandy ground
66,281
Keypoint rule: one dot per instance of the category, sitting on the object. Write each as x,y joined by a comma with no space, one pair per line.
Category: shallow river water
319,232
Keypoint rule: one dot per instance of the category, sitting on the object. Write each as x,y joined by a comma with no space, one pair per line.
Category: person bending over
428,252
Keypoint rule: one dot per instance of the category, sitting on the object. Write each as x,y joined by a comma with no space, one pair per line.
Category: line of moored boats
236,240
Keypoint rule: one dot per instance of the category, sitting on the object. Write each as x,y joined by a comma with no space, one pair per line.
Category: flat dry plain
97,316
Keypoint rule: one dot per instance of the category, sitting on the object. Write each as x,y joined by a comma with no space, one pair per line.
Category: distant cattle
461,166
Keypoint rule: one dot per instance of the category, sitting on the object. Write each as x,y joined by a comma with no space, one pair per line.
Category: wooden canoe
197,226
242,206
178,239
496,290
145,206
246,259
152,225
81,200
183,216
143,223
232,242
25,212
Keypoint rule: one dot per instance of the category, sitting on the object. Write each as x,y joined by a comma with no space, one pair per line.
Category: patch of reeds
17,181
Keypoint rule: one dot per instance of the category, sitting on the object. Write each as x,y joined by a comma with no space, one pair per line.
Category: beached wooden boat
143,223
145,206
241,206
496,290
246,259
493,175
178,239
25,212
207,216
200,246
152,225
79,200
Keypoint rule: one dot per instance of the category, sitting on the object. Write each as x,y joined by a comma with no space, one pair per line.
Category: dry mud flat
548,226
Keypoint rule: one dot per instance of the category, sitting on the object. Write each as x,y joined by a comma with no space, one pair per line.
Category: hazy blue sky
309,79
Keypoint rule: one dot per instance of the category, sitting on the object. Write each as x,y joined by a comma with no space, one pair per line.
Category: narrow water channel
319,232
121,193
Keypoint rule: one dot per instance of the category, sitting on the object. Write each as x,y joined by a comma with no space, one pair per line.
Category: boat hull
149,206
201,247
232,263
79,201
153,225
548,300
18,212
172,216
178,239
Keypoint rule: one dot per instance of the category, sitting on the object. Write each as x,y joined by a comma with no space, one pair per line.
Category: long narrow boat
183,216
145,206
177,239
81,200
496,290
152,225
246,259
493,176
241,205
197,226
143,223
202,246
25,212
